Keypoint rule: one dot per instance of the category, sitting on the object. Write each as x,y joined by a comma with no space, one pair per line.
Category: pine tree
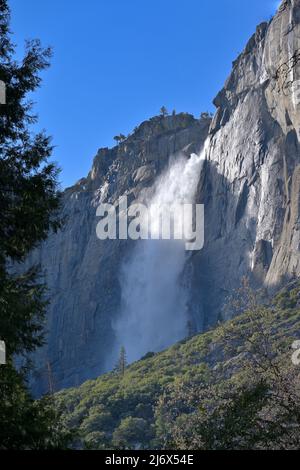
29,202
119,138
163,111
122,362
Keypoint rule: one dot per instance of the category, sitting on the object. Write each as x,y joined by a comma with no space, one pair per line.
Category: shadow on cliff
226,246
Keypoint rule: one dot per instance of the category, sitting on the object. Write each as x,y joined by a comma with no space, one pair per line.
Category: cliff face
249,185
82,272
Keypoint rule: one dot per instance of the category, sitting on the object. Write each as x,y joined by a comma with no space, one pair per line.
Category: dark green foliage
251,399
163,111
29,202
28,184
147,355
122,362
120,138
25,423
234,387
132,433
21,312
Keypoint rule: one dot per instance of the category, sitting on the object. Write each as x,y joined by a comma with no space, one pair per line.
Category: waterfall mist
154,299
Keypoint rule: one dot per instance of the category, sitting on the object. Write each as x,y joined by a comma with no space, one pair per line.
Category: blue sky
116,62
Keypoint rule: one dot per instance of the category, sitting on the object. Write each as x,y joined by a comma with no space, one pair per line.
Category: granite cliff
82,272
249,185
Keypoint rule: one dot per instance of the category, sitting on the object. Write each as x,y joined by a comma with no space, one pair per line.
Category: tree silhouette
120,138
29,203
163,111
122,362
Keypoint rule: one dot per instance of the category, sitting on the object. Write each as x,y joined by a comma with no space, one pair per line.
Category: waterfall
153,298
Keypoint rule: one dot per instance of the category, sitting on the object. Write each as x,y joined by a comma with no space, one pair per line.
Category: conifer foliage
29,201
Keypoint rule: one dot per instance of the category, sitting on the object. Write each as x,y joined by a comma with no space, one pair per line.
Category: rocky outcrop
249,185
81,271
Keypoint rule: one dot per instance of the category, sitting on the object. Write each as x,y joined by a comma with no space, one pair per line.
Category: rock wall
251,184
81,271
250,188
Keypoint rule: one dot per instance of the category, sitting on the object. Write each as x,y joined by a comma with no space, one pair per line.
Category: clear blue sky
116,62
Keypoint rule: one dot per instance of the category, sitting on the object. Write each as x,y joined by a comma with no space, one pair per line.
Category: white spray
153,299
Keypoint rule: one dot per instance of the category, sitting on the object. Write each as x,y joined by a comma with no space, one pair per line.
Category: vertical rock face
81,271
250,187
251,184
